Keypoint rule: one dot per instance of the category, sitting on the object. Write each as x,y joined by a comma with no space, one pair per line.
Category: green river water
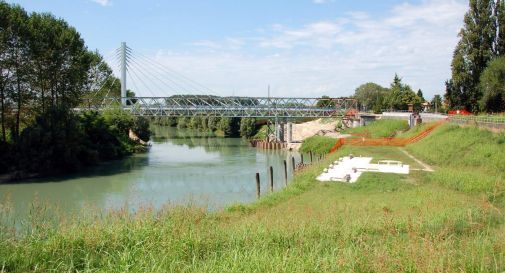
180,168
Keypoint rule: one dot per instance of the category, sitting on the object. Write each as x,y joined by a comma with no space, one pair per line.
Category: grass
380,128
318,144
467,159
383,223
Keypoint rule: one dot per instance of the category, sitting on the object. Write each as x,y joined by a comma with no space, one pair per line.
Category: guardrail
479,119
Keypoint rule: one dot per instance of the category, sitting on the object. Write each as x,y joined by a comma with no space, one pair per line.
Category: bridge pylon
124,67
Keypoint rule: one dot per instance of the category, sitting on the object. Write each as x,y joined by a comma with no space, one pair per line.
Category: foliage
401,95
380,128
482,39
229,127
61,141
141,128
383,223
437,104
318,144
325,102
46,70
371,96
492,85
248,127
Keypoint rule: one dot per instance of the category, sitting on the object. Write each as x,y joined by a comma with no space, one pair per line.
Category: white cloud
103,2
332,57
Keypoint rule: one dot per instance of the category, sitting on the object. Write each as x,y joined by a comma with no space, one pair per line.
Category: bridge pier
279,130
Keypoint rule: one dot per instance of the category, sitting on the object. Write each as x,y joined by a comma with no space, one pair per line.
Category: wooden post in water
271,179
285,173
293,164
258,185
311,161
301,158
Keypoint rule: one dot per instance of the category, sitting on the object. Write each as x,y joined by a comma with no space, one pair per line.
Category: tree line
220,126
46,70
376,98
478,65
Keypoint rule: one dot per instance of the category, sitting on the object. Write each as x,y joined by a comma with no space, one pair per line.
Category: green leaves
492,85
482,40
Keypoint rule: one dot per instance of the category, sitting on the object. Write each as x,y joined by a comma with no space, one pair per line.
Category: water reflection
181,166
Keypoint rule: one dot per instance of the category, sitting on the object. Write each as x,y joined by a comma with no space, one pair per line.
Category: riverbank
422,222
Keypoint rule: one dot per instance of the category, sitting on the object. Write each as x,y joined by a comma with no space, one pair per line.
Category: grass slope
383,223
467,159
318,144
380,128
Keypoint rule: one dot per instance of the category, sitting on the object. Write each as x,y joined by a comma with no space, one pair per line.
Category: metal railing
189,106
478,119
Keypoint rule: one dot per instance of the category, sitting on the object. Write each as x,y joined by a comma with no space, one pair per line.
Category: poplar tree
500,27
472,54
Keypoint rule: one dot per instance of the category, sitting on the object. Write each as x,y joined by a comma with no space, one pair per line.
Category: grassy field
380,128
423,222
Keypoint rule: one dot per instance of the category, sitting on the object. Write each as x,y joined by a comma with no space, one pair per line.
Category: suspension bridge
183,97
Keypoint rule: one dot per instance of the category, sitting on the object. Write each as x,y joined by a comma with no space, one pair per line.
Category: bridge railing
187,106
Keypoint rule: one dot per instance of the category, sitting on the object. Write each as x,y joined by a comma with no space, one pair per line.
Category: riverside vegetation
447,221
46,71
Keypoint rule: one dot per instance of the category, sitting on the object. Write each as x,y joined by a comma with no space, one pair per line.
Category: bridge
189,104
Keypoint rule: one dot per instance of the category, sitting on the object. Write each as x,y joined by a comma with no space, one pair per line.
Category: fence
493,123
389,141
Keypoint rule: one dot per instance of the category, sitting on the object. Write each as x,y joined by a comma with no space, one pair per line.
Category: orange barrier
389,141
340,142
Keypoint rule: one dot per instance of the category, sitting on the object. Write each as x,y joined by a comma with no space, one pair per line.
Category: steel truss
259,107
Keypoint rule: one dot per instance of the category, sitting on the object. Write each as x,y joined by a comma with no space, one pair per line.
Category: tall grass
318,144
380,128
467,159
383,223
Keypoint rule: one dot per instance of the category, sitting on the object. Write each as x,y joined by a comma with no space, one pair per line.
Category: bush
248,127
318,144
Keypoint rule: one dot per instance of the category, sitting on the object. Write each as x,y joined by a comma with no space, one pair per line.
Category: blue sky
300,47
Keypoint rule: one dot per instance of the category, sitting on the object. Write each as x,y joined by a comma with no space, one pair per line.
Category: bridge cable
142,68
179,75
171,86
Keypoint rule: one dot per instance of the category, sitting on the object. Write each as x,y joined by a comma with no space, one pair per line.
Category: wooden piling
258,185
271,179
285,173
293,164
301,160
311,161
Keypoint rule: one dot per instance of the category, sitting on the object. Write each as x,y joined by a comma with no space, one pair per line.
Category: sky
300,48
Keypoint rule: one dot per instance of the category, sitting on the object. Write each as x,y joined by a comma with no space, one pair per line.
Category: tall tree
401,95
492,84
420,95
473,52
370,96
500,26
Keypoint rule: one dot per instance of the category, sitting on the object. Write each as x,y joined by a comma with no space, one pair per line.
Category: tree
420,95
500,26
492,85
247,127
437,104
401,95
473,52
325,102
370,96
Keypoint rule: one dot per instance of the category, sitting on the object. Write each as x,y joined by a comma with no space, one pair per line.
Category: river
181,167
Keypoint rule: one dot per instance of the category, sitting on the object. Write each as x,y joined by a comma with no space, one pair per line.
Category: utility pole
123,74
